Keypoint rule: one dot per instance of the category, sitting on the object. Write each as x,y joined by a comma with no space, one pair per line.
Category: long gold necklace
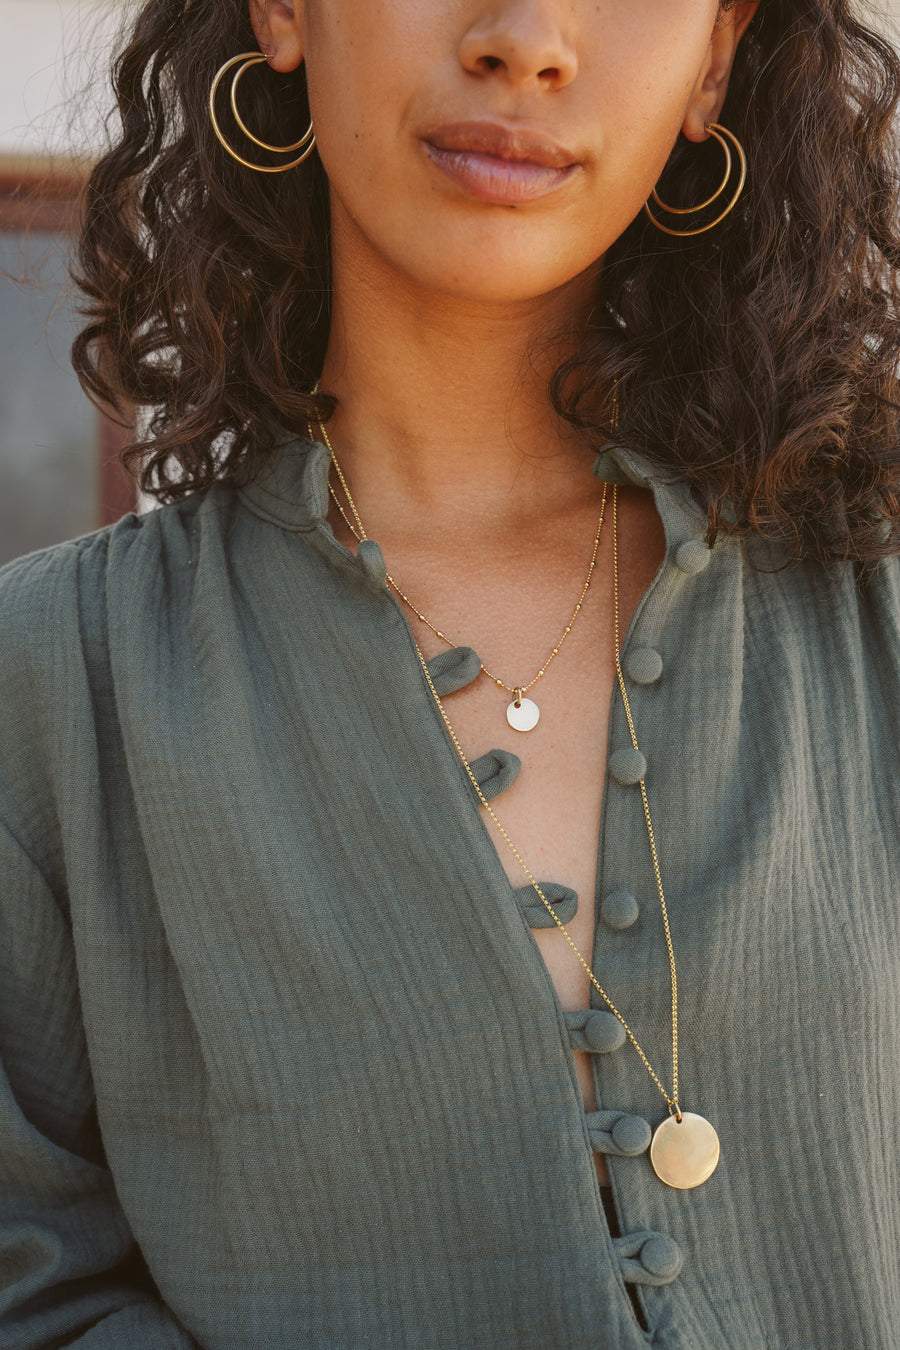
684,1150
523,713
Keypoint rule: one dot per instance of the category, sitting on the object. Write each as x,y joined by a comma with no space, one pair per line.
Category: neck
443,403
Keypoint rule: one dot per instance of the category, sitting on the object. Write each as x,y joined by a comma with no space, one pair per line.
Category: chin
492,256
495,293
495,275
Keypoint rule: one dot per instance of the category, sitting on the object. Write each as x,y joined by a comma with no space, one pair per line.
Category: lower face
495,149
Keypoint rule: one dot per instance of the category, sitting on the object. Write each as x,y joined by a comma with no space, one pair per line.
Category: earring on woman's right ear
719,133
306,143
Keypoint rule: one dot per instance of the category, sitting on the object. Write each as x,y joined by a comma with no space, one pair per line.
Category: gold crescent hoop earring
719,133
307,142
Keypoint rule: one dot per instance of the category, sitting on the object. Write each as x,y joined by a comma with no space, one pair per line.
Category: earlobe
712,82
278,25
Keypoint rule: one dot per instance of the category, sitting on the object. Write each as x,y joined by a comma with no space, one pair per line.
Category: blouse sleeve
70,1272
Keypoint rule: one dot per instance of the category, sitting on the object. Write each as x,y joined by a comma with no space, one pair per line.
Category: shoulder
879,623
881,593
49,599
71,581
57,608
821,669
44,688
805,604
41,605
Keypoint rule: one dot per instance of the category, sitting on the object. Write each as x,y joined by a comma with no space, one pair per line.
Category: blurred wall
53,56
58,475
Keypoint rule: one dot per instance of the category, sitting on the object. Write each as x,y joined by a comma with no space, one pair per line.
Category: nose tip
523,43
549,75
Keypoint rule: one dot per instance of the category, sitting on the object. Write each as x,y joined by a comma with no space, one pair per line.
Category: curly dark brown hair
758,361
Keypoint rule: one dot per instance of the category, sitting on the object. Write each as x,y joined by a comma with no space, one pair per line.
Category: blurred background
59,474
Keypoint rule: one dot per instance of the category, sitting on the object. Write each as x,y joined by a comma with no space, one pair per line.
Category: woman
308,1043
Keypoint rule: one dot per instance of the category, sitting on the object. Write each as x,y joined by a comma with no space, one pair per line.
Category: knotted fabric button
643,665
563,899
632,1135
648,1258
603,1033
627,765
495,772
371,559
594,1031
453,669
618,1133
619,910
661,1257
692,556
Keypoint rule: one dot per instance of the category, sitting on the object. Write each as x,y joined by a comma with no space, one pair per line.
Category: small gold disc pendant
685,1152
522,714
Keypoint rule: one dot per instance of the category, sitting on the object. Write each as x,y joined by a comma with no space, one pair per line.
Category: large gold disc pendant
523,715
685,1152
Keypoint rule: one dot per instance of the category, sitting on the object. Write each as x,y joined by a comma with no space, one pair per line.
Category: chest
549,817
552,809
340,882
347,980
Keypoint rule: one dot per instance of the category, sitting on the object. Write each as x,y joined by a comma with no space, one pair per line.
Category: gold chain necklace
523,713
684,1150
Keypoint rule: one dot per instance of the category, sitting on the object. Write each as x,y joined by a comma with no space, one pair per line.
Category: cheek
644,65
638,130
361,64
356,90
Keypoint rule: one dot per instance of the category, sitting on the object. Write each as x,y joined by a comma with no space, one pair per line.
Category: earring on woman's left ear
306,143
719,133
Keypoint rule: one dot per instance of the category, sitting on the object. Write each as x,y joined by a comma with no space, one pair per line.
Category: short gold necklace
684,1150
523,713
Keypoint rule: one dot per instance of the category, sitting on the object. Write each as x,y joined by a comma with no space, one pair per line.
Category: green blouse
283,1067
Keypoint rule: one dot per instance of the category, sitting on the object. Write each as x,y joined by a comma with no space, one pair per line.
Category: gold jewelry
523,713
719,133
684,1150
307,142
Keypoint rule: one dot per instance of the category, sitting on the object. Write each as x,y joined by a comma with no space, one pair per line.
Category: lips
500,164
498,142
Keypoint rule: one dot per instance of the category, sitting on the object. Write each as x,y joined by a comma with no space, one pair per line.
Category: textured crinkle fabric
283,1067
